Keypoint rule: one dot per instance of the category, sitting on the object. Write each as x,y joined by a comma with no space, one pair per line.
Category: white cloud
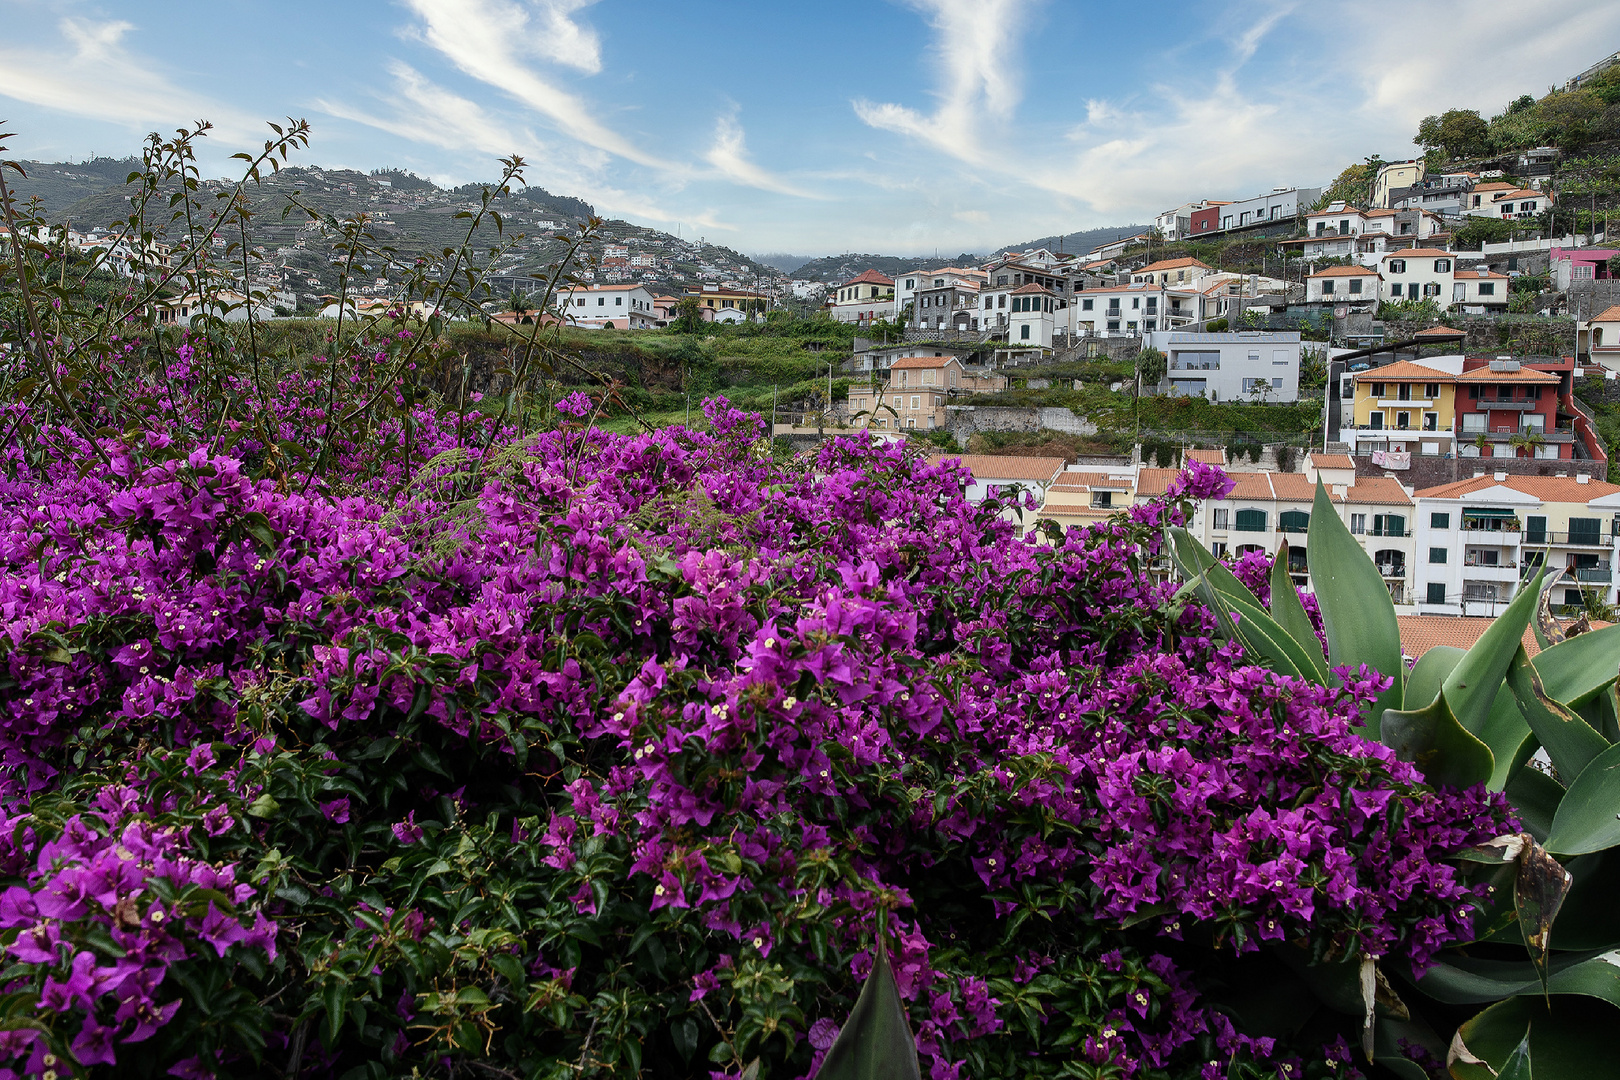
492,41
729,155
94,75
975,42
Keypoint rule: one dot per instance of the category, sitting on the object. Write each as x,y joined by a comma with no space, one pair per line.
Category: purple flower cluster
756,702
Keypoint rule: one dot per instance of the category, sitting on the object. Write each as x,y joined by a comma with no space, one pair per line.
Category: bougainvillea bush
614,754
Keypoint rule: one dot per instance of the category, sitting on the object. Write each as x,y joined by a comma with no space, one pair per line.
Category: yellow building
1081,498
1403,407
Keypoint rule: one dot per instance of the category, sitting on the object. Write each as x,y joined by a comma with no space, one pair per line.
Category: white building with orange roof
1009,479
1603,338
1133,310
907,284
1480,290
1418,274
1083,497
1479,539
1492,201
1402,408
864,298
1171,272
1342,285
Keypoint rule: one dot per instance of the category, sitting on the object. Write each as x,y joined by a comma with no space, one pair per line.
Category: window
1003,302
1085,305
1397,266
1487,288
1585,530
1431,289
1437,555
1377,389
1358,524
1327,286
1276,384
1403,420
1001,279
1023,332
1221,518
601,301
1355,285
1251,521
1431,421
1535,529
915,401
1442,266
1437,592
1219,550
1439,521
618,301
1294,521
1376,421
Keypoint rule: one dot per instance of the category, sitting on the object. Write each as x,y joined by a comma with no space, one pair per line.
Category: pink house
1582,264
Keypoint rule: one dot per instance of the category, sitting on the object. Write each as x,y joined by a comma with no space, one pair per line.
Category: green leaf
1467,980
1571,1040
1579,668
1511,741
1443,750
876,1041
264,806
1518,1063
1289,613
1571,742
1588,818
1472,686
1357,612
1431,669
1262,636
1535,797
1538,892
1590,918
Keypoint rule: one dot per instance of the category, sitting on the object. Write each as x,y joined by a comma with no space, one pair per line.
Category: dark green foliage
875,1043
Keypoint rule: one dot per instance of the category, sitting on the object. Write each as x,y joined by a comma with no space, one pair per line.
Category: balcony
1392,570
1506,405
1493,571
1400,403
1578,539
1594,575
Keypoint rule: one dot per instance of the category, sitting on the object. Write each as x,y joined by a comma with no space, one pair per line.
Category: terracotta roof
1420,633
1404,371
1523,375
868,277
1332,461
1417,253
995,467
1440,331
1171,264
1151,482
1564,489
1383,490
913,363
1026,290
1346,271
1481,273
1610,314
1494,185
1086,481
1208,457
1271,487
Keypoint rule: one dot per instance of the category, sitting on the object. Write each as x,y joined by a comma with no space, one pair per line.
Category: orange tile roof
1404,371
1564,489
1346,271
1208,457
1418,253
913,363
1440,331
1332,461
1085,481
1152,482
1383,490
1494,185
1026,290
1481,273
868,277
1172,264
1420,633
1523,375
995,467
1610,314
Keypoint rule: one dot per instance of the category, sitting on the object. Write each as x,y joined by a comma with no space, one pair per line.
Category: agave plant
1539,984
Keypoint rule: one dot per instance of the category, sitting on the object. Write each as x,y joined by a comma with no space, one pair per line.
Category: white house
1603,338
1031,316
866,297
1418,274
1171,272
608,307
1342,285
907,284
1479,290
1241,366
1129,310
1510,204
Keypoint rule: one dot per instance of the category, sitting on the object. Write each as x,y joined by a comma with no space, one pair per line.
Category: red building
1514,409
1207,220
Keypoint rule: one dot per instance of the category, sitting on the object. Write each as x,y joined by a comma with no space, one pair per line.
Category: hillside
1077,243
835,269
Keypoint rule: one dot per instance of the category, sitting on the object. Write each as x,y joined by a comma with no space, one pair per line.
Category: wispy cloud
434,114
494,41
729,155
975,41
92,73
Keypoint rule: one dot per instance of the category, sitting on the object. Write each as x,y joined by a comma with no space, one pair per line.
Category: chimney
1501,476
1583,478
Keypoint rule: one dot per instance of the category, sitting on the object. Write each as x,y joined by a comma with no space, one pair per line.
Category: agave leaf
1220,590
1572,1040
1290,614
1518,1062
1509,737
1455,979
1588,817
1579,668
1538,893
1590,919
1431,669
876,1041
1446,753
1472,686
1571,742
1535,797
1357,612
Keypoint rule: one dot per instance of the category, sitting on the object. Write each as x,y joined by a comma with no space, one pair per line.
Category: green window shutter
1535,530
1585,530
1395,525
1251,521
1293,521
1439,521
1437,592
1437,555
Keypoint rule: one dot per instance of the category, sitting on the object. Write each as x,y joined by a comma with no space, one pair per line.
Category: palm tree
1480,442
1526,443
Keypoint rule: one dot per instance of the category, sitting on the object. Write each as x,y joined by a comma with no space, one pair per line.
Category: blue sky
898,126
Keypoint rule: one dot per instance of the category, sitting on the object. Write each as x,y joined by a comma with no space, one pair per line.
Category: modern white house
1418,274
1238,366
605,307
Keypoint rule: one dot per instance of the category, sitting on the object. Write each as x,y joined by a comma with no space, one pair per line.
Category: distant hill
1077,243
835,269
60,184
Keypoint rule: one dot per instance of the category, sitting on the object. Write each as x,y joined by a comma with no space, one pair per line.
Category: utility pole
773,410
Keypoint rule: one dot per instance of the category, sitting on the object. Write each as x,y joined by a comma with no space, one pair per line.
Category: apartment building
1405,407
1505,409
1479,539
1244,365
917,391
608,307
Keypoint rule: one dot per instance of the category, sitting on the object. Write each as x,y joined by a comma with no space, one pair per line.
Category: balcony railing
1602,538
1392,570
1495,405
1475,560
1596,575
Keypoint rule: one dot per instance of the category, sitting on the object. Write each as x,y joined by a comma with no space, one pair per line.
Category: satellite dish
1341,312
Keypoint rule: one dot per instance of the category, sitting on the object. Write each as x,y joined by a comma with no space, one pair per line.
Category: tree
1150,367
1526,443
688,315
1459,132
